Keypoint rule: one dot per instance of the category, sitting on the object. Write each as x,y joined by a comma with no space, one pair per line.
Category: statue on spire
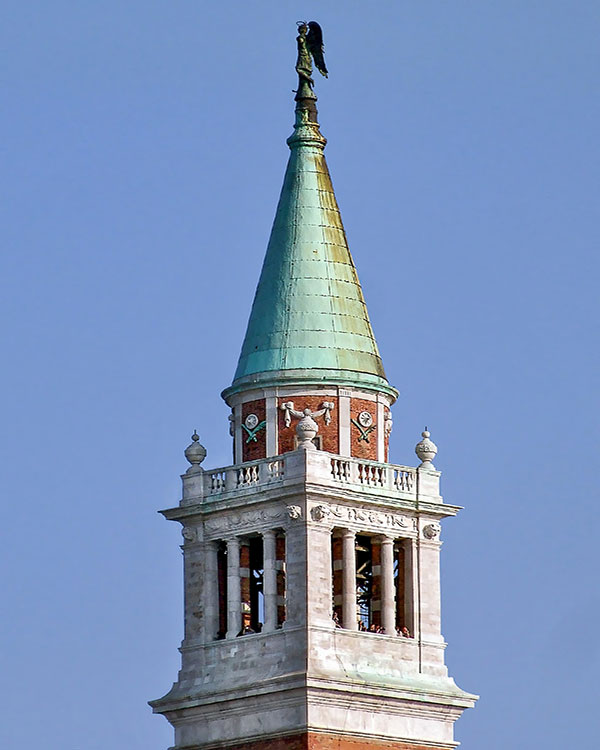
310,47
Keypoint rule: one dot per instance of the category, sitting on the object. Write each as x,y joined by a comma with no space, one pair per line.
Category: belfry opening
363,607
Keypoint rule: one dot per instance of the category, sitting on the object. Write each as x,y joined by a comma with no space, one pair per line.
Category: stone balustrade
311,466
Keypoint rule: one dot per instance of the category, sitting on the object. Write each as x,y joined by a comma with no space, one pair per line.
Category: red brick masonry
254,449
363,448
318,741
328,433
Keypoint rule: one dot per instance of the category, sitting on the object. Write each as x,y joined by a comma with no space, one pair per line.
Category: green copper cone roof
309,321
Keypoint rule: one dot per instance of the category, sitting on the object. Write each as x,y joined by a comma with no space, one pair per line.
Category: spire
309,321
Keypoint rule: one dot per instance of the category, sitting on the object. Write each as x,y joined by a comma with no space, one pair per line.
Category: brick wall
253,449
328,433
335,742
363,446
318,741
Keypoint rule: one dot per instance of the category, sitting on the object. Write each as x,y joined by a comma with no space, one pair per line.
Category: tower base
324,741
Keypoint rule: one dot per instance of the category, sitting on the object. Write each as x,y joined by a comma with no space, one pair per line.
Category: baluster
230,480
354,472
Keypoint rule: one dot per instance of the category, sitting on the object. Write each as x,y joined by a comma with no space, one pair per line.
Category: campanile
311,564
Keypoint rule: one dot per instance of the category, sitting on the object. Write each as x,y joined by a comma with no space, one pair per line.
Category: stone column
238,442
272,437
337,552
211,592
380,431
318,595
269,581
349,585
375,581
411,587
344,421
388,599
429,590
193,565
234,594
294,578
282,582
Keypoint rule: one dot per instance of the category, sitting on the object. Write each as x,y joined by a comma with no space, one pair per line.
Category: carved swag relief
372,517
307,428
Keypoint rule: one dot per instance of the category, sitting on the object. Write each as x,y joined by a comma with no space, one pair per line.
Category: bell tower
311,564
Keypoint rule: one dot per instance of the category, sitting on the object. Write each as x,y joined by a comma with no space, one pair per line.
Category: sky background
143,151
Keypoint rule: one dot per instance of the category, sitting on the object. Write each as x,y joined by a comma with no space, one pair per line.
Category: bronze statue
310,47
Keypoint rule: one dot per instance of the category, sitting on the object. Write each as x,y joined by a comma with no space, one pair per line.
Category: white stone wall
310,673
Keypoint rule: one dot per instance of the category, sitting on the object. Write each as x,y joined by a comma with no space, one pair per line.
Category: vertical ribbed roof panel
308,311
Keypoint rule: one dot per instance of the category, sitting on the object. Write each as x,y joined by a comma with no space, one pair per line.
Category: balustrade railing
342,470
246,475
373,474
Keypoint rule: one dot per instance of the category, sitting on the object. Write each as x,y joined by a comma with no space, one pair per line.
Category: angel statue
310,47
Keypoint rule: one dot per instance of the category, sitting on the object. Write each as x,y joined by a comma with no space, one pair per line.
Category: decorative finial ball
195,452
426,450
306,430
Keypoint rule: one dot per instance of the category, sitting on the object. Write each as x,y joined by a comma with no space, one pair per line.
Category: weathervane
310,47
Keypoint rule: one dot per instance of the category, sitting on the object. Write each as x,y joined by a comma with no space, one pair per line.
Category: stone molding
366,519
237,522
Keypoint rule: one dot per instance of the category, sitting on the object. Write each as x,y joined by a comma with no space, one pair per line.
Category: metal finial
196,437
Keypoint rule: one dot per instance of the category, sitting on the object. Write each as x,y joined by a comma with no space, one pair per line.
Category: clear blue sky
143,149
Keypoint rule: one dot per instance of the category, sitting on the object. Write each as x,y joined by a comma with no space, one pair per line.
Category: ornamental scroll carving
362,515
249,518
